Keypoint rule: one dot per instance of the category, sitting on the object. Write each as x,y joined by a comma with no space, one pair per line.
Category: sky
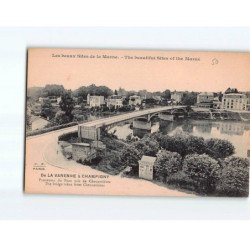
140,69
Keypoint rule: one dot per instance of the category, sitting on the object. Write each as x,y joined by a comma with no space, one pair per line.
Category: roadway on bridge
44,149
128,116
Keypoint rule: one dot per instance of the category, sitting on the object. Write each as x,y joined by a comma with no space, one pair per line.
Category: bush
61,118
218,148
234,179
181,180
167,163
130,157
183,144
176,143
203,170
147,146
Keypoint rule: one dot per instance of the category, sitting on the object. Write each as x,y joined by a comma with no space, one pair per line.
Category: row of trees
58,90
185,161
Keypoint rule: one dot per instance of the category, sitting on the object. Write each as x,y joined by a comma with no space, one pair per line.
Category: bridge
91,130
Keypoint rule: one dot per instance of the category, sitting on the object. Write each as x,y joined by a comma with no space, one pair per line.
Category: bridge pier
166,116
142,123
91,133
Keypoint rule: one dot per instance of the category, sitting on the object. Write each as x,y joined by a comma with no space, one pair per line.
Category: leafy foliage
189,98
166,94
203,170
218,148
130,157
147,146
234,180
46,110
67,105
53,90
167,163
92,90
61,118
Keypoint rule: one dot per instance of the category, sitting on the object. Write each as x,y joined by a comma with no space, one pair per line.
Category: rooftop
148,158
81,144
207,93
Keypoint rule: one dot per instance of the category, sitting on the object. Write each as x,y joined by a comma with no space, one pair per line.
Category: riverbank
219,115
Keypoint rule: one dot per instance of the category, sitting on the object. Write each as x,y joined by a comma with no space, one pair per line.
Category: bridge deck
124,117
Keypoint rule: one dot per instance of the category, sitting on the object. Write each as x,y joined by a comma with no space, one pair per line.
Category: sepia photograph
137,122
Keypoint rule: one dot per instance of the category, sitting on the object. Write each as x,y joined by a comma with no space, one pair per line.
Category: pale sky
213,71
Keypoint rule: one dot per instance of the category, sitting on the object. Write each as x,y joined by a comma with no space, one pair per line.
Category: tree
28,121
203,170
53,90
116,93
176,143
61,118
130,157
189,98
167,163
195,144
67,104
218,148
46,110
34,92
92,90
234,180
125,101
166,94
147,146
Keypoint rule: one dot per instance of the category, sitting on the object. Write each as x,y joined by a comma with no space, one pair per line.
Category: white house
95,100
135,100
115,101
234,101
205,97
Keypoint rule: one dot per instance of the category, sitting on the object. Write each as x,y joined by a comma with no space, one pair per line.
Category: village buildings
234,101
114,101
95,101
135,100
177,96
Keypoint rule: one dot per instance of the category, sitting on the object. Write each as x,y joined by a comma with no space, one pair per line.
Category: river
238,133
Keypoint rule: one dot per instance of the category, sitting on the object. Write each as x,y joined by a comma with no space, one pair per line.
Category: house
43,100
177,96
205,97
248,100
146,167
135,100
216,103
115,101
205,100
58,100
95,100
234,101
231,90
157,98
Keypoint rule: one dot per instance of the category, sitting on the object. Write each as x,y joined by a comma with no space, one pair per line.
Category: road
43,151
128,116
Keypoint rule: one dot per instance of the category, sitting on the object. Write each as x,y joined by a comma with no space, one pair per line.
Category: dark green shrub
203,170
167,163
234,180
181,180
218,148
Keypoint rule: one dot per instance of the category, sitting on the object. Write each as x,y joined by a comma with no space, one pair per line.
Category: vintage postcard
137,122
